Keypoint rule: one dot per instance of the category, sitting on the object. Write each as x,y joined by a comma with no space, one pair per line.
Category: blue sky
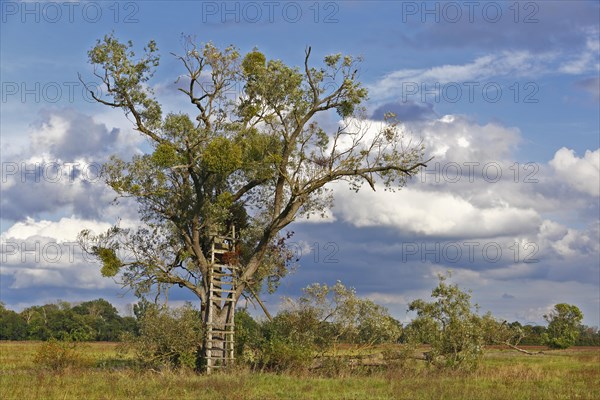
490,87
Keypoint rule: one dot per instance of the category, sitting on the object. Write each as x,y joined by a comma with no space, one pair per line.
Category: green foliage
222,156
102,319
110,262
588,336
91,320
126,76
254,63
339,315
168,338
248,335
165,155
12,325
282,346
500,332
532,335
313,325
563,326
454,331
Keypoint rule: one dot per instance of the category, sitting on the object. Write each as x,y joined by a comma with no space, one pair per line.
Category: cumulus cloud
445,214
68,134
456,138
45,253
455,196
61,171
583,173
565,242
63,230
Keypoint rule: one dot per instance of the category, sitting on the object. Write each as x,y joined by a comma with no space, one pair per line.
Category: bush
280,354
456,334
58,355
278,345
248,335
169,338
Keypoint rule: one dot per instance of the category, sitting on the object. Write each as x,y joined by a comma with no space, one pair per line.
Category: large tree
563,326
253,154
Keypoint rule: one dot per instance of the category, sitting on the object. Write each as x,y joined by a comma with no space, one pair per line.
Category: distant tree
504,333
563,326
532,335
588,336
257,161
102,319
12,325
90,320
450,325
140,308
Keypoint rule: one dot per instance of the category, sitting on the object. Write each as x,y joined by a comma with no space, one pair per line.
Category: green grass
101,374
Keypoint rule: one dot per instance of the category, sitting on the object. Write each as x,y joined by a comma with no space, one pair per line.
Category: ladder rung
221,366
224,237
228,266
224,290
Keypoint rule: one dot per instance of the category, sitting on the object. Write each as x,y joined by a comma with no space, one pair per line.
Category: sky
504,95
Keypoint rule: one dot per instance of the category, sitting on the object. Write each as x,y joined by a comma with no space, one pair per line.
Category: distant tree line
95,320
355,321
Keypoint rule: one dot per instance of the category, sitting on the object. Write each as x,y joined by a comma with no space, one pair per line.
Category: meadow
104,374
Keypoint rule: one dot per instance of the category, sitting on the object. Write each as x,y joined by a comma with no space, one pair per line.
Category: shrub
456,334
169,338
58,355
279,346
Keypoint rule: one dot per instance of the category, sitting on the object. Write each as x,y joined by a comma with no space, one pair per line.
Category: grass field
504,374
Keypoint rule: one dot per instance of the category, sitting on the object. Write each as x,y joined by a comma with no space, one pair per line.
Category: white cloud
63,230
582,174
45,253
490,67
457,194
456,138
487,67
586,60
426,213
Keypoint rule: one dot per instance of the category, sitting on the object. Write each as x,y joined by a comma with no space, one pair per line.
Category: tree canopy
563,326
256,160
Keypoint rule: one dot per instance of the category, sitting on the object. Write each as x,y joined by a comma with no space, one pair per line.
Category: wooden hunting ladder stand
222,285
